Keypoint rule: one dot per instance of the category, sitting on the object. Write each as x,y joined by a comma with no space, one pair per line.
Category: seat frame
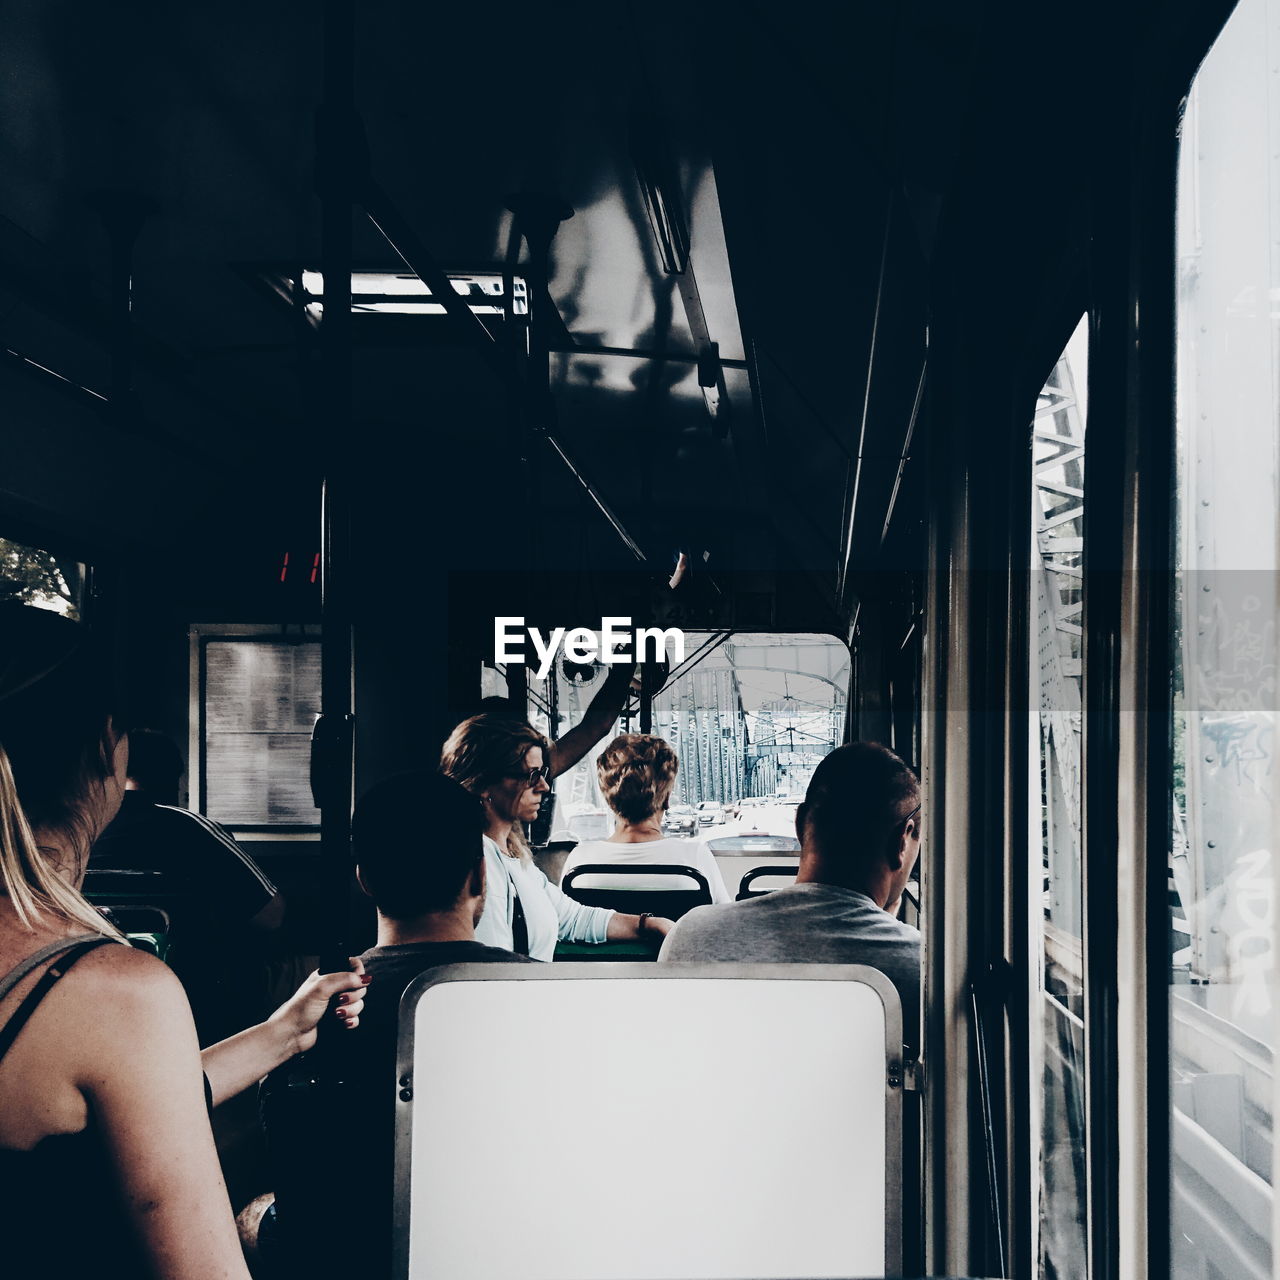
756,873
672,903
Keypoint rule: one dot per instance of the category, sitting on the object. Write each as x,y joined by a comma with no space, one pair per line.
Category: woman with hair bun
506,763
637,773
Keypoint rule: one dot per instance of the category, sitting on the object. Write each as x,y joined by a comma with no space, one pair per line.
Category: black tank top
62,1206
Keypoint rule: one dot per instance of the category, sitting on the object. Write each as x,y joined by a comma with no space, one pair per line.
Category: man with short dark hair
418,844
419,853
859,832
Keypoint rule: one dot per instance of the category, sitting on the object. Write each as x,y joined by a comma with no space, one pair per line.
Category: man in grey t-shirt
859,832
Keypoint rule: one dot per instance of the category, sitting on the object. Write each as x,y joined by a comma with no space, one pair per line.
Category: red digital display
314,575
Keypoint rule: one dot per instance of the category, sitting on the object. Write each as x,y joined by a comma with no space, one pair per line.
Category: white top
548,914
672,851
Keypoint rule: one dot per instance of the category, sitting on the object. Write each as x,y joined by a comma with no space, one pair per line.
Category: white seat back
592,1122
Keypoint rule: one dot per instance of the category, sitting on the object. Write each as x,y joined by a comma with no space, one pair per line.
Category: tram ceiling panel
229,157
808,159
626,326
219,130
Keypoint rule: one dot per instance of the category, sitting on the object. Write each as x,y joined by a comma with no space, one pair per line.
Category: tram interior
778,299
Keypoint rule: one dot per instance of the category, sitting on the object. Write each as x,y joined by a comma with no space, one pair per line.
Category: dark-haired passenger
226,910
859,832
637,772
428,884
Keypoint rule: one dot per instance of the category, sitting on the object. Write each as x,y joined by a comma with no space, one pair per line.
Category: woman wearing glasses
505,763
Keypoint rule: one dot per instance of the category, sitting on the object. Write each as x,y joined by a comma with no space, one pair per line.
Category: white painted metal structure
1058,565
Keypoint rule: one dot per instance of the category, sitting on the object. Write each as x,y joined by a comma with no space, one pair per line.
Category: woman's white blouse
549,915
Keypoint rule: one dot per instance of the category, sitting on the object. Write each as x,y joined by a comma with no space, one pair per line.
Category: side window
35,576
255,698
1057,564
1222,969
493,683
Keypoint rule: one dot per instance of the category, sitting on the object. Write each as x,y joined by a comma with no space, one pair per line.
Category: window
749,715
1224,789
1057,566
402,293
256,698
38,577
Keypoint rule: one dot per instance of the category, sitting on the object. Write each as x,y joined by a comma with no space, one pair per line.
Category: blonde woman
505,763
637,773
106,1158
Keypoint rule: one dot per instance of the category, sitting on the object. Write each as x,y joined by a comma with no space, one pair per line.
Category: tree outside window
33,576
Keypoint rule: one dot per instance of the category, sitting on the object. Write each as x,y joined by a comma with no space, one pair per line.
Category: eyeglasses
531,778
914,812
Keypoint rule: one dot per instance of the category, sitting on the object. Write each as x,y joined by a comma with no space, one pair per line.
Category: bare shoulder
125,1014
100,1028
119,963
125,981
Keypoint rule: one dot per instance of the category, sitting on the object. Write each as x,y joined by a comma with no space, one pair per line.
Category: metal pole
537,219
543,215
410,249
122,214
337,149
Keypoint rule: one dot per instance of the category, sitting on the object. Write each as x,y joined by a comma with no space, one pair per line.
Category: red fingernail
366,979
342,999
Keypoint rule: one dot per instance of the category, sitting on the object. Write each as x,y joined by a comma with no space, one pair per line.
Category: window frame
199,636
1129,523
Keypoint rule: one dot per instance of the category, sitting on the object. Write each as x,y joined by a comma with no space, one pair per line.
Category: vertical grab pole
337,151
122,214
537,218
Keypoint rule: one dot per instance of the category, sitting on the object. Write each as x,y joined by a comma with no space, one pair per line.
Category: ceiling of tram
814,147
